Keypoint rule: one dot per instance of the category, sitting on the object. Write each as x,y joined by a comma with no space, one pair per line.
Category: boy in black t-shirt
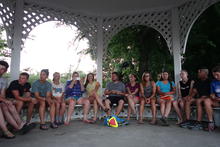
20,91
200,92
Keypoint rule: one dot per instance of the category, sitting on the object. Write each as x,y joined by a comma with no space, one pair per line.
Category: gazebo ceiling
109,7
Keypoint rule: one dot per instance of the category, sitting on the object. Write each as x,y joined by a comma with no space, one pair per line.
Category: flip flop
44,127
8,135
88,121
53,125
141,122
26,128
153,123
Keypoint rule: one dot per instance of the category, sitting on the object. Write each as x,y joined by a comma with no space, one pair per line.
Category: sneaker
164,121
185,124
196,126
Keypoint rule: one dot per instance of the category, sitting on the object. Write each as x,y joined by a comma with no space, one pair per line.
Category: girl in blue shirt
166,89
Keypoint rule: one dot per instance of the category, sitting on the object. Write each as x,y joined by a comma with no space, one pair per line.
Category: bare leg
19,105
162,107
120,107
199,109
182,104
142,103
71,103
52,111
86,106
168,108
95,107
131,104
15,114
42,112
188,108
208,108
31,109
176,107
62,110
107,105
58,105
129,113
3,125
9,118
2,121
154,111
99,101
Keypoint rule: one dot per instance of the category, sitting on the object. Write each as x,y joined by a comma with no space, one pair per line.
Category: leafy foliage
203,47
4,51
137,49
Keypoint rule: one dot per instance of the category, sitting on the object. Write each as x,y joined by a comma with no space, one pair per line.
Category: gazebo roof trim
109,7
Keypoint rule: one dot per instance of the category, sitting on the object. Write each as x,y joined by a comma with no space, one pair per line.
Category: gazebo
100,20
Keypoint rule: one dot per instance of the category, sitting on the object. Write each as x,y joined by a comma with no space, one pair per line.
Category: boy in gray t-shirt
42,90
116,86
115,92
42,87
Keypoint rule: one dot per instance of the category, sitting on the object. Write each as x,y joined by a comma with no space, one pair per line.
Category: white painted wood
176,44
100,50
17,42
111,7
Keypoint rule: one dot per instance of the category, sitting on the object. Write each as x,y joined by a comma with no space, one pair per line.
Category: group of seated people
57,97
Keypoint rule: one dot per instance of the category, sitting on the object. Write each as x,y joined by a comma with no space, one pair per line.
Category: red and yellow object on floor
112,122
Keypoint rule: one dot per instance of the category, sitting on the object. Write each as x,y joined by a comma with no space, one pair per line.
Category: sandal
8,135
53,125
43,127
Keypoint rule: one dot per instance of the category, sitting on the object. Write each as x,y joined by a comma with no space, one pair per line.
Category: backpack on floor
114,121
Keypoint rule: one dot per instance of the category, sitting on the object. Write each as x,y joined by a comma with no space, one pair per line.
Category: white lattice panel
188,13
160,21
36,14
7,16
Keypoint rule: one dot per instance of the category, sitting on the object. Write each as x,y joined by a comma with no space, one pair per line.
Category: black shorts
115,99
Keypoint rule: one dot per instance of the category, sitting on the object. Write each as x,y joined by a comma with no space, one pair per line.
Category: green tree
203,47
4,51
137,49
34,77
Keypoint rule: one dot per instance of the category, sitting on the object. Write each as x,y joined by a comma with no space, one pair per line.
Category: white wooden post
17,42
100,50
176,44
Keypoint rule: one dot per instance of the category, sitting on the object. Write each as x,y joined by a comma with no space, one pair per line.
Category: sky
49,46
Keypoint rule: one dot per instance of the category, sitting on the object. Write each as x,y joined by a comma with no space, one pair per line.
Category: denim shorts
73,97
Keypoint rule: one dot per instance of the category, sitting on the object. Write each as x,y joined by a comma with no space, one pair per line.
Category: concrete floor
79,134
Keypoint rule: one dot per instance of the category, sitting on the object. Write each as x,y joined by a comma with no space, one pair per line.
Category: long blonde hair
143,82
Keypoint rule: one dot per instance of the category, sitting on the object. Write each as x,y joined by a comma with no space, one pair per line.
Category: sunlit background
57,47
